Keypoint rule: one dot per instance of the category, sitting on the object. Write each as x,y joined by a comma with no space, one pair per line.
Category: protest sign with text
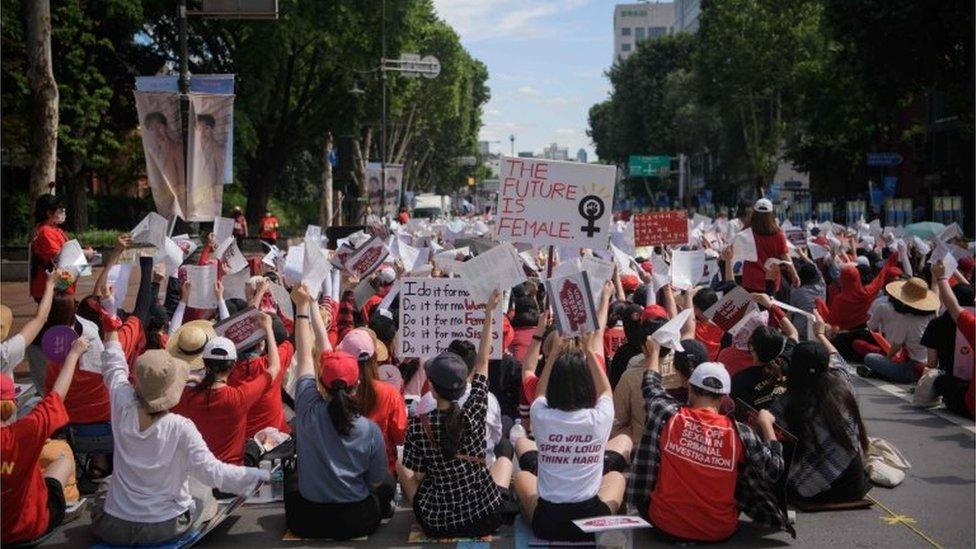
572,303
559,203
661,228
499,268
244,328
366,258
734,306
436,311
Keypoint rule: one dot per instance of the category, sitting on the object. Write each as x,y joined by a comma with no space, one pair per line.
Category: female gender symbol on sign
591,207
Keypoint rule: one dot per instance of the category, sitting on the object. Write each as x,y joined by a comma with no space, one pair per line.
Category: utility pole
383,112
184,73
511,138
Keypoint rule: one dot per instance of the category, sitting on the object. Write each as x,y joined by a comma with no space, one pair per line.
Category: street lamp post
383,111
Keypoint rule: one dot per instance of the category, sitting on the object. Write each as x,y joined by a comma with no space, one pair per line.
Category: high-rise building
555,152
634,23
581,156
686,14
484,148
526,154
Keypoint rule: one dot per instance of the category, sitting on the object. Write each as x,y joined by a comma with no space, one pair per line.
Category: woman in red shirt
219,410
49,213
770,244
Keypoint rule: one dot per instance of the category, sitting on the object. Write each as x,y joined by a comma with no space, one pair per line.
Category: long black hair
452,425
342,407
215,367
571,386
815,392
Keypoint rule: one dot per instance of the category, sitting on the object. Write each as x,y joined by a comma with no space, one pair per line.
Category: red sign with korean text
661,228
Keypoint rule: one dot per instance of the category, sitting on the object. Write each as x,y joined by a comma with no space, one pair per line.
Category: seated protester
764,382
219,410
812,287
378,400
343,487
738,356
942,338
13,350
576,470
628,404
902,318
493,419
690,496
613,336
161,485
685,362
384,328
965,320
821,411
253,362
32,501
382,282
634,333
707,331
524,320
443,470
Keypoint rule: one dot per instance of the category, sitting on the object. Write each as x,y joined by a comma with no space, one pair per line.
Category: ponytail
342,407
449,439
214,368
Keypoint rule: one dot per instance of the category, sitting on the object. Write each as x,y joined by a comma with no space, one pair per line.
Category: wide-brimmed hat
161,378
188,342
382,353
915,293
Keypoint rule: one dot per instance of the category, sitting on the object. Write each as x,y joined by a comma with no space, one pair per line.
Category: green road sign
649,166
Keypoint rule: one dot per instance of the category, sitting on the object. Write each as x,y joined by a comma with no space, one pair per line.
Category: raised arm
122,242
274,360
303,332
820,331
591,340
36,323
63,382
484,346
945,291
321,327
531,359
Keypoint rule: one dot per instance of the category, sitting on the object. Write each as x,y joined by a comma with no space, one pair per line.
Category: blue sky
545,60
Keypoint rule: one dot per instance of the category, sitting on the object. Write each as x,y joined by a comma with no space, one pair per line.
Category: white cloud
485,19
493,112
529,90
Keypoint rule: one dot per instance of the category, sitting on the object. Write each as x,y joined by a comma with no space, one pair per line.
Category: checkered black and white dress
456,492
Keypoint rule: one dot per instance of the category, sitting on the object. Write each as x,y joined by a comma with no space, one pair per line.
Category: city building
555,152
686,14
634,23
526,154
484,148
581,156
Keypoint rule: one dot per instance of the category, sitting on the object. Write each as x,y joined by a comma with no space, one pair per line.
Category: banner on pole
162,143
209,133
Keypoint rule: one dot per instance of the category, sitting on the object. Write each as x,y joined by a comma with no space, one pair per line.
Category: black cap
694,354
448,374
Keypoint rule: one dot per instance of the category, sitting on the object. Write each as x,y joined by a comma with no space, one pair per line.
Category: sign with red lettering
729,311
610,522
572,301
796,236
661,228
243,328
436,311
545,202
366,258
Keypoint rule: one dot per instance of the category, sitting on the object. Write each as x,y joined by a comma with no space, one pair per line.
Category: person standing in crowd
163,469
443,472
770,244
31,500
902,318
240,227
269,229
343,488
46,244
820,409
693,497
404,216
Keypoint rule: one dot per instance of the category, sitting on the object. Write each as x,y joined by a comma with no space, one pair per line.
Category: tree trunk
326,211
44,96
258,189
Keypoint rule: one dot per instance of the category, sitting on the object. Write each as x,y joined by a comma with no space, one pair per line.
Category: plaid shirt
756,476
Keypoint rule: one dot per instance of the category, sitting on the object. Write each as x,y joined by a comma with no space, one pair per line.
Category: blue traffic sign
884,159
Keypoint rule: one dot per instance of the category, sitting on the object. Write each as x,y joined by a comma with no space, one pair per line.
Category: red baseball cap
8,391
654,312
338,366
629,282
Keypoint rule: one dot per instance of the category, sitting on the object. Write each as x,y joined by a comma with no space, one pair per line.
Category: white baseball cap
711,377
763,205
386,275
220,348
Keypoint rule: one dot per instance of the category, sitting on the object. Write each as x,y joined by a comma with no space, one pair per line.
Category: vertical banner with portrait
209,135
377,192
162,142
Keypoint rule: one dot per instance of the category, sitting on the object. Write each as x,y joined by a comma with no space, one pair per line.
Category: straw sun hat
914,293
189,340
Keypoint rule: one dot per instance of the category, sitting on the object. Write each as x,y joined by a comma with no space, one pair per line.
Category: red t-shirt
269,227
23,495
966,323
754,272
711,337
735,360
521,339
87,399
268,411
390,413
373,301
694,497
240,225
613,338
45,247
220,415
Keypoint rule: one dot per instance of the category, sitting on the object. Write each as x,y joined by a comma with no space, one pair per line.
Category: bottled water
516,432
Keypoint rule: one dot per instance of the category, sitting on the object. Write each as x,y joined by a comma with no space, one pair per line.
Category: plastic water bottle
516,432
277,481
265,491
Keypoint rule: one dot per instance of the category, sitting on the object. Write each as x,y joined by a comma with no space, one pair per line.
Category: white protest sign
170,254
600,271
336,285
72,257
687,268
610,522
810,318
231,255
313,232
499,268
222,228
366,258
949,233
282,299
234,284
244,328
941,253
709,272
744,247
669,335
729,311
566,268
202,279
187,245
118,280
294,264
962,365
572,301
315,267
817,251
436,311
151,230
544,202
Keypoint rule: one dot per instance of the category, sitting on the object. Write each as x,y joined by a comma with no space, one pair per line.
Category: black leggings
338,521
